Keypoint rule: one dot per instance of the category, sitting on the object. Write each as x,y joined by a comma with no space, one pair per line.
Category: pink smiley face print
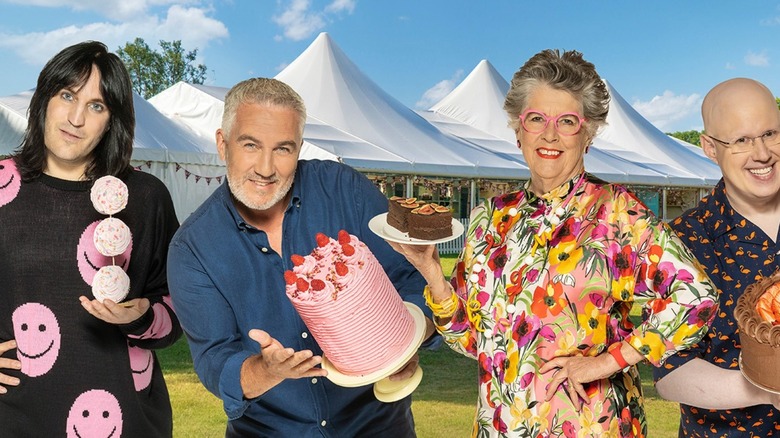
38,338
10,181
90,260
95,414
141,365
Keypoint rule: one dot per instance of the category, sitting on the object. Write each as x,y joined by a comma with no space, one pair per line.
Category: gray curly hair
566,71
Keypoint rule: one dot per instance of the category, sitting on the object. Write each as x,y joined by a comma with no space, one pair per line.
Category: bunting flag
148,165
444,188
187,173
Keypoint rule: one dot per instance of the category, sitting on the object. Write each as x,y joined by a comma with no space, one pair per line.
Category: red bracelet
614,350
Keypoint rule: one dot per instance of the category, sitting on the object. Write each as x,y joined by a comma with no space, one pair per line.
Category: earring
519,146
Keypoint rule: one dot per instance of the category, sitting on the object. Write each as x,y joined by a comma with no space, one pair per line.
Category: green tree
153,71
691,137
777,99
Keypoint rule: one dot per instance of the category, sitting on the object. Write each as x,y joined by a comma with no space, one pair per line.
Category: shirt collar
554,196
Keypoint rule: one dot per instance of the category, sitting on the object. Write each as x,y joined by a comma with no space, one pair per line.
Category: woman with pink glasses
542,291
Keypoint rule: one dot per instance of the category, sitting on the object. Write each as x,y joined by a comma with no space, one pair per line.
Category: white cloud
117,10
668,109
436,93
281,67
757,59
190,25
730,66
341,5
299,22
771,20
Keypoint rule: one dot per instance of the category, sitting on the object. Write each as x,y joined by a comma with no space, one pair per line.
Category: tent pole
409,187
473,195
663,201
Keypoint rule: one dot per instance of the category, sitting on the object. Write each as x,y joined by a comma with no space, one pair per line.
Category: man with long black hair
72,362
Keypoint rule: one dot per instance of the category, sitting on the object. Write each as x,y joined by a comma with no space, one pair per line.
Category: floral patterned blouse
550,276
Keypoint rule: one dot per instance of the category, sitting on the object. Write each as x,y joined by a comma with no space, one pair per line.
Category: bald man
734,234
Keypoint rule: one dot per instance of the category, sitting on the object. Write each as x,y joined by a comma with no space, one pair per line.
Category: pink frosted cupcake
112,237
111,282
109,195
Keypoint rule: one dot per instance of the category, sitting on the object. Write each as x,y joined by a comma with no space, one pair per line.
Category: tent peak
474,101
322,36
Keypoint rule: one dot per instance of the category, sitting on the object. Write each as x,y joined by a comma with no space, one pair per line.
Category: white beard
238,189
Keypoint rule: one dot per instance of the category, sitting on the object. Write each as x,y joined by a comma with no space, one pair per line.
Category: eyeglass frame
547,119
728,145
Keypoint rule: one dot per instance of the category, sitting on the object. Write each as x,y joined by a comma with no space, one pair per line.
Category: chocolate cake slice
399,210
430,222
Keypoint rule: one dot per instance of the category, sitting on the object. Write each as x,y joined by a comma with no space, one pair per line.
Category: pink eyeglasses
535,121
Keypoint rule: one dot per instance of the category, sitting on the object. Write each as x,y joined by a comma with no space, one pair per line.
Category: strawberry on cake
349,304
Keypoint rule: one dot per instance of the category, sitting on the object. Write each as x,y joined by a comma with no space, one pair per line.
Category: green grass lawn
443,404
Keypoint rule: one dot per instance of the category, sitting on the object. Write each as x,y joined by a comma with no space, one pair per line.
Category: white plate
378,224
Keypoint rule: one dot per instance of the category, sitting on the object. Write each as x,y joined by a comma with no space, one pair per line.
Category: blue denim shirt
225,279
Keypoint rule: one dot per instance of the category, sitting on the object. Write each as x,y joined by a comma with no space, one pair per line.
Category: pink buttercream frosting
112,237
110,282
109,195
350,305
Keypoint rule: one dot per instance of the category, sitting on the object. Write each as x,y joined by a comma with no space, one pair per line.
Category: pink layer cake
349,305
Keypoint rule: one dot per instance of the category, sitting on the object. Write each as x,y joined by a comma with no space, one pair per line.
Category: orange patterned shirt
735,254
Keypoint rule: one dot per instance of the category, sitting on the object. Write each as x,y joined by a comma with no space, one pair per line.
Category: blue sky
662,56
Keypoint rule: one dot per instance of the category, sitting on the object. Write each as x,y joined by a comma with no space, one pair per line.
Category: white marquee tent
648,155
200,107
13,120
162,147
337,93
352,121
